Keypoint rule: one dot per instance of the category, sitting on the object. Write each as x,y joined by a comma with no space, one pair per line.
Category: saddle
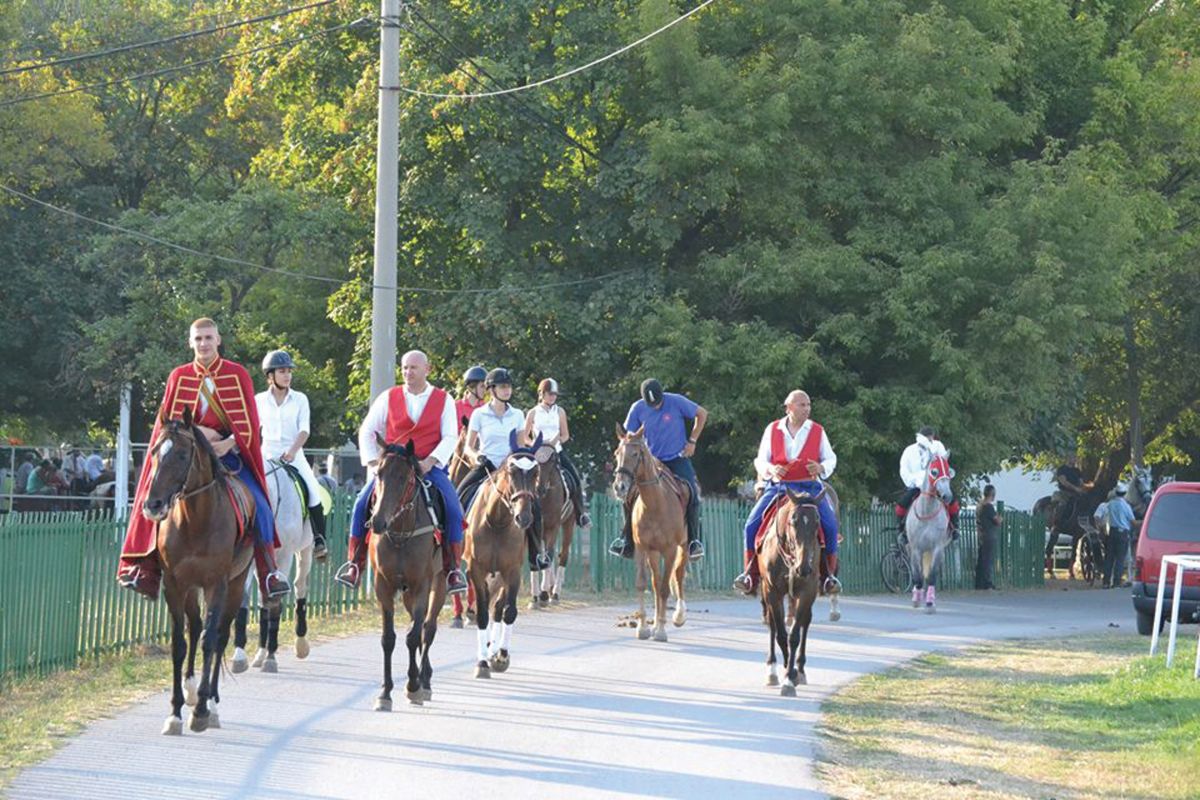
298,481
681,488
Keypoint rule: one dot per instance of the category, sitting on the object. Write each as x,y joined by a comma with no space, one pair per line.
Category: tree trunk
1137,447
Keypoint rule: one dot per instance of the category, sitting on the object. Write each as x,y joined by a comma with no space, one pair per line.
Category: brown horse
558,523
406,559
659,529
789,562
495,550
201,554
458,469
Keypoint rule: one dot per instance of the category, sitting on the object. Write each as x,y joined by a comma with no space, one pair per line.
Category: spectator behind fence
45,479
28,465
325,479
93,465
987,524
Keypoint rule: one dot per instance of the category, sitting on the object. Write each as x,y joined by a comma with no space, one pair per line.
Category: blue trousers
829,520
452,525
264,517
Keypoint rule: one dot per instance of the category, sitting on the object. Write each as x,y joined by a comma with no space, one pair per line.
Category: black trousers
987,557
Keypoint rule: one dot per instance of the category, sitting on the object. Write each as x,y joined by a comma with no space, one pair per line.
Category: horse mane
205,445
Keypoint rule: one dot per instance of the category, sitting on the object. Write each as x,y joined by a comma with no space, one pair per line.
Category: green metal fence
60,604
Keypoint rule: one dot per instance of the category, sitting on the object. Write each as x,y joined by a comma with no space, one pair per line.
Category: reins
408,502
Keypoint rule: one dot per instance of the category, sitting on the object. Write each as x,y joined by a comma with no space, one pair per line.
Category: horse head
803,522
937,478
1143,486
518,482
549,471
630,456
174,458
396,476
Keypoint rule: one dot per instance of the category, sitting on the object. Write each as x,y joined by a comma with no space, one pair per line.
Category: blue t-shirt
666,432
1120,515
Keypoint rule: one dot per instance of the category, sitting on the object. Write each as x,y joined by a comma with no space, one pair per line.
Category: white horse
295,546
928,530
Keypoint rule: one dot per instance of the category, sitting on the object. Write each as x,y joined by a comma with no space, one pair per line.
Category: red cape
235,393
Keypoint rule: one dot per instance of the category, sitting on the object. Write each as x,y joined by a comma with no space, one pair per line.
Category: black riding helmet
277,359
474,375
499,377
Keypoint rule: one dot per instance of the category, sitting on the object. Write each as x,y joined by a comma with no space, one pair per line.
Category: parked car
1171,527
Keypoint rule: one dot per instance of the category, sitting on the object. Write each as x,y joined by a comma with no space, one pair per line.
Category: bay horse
1063,517
456,471
496,550
202,555
659,529
294,531
928,529
789,562
558,529
407,559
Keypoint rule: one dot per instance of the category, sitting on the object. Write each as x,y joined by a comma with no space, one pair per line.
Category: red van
1171,527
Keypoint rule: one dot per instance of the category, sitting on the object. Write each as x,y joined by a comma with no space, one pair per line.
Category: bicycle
894,566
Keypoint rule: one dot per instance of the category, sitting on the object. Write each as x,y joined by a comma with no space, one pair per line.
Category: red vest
809,451
426,433
463,410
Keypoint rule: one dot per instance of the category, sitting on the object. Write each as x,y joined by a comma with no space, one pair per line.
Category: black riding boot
623,546
695,546
316,515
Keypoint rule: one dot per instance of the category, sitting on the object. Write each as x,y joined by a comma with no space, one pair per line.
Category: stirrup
276,585
348,574
585,520
620,548
744,584
832,585
320,551
695,550
456,582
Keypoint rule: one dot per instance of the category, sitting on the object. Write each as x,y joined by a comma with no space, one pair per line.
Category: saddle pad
243,504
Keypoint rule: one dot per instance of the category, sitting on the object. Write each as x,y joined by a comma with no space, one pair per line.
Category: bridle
632,474
936,464
408,499
180,494
789,542
513,495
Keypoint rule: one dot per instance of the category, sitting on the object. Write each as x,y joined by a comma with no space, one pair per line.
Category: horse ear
187,416
620,433
512,439
792,494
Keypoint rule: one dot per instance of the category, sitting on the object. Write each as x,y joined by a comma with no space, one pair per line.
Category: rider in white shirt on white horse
913,463
284,415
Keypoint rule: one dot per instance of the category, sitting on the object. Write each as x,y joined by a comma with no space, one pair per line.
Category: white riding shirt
546,421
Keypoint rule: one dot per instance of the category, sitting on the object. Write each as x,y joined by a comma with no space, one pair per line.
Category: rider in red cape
220,395
794,453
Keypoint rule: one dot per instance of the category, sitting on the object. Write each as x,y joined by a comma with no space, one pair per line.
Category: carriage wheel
895,571
1087,560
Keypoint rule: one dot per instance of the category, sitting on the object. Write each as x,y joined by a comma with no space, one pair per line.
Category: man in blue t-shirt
662,414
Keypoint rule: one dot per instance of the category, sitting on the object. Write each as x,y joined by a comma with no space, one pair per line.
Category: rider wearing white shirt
547,419
914,461
283,415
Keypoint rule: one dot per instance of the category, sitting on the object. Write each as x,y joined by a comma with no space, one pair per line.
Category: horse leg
776,636
928,562
502,659
304,561
241,661
212,634
387,607
482,612
534,580
428,634
918,579
547,578
274,613
678,574
643,564
798,644
195,625
264,629
662,592
174,723
415,603
564,554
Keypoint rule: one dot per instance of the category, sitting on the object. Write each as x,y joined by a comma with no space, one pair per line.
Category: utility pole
387,190
121,459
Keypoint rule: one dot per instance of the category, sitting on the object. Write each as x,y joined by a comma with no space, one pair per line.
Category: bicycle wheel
1088,560
894,569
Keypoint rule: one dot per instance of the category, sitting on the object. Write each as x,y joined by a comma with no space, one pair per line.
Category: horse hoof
802,680
259,658
173,727
660,636
415,698
240,663
929,609
198,724
554,599
500,662
426,695
383,704
214,721
787,690
270,665
533,604
189,692
457,622
678,619
643,632
302,648
772,680
482,670
834,616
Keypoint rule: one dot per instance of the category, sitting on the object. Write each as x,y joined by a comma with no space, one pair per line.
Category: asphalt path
586,710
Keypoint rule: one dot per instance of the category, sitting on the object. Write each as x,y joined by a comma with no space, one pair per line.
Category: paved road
585,712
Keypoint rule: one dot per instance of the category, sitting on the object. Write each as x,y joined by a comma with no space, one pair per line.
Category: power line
560,76
551,125
358,23
180,37
288,273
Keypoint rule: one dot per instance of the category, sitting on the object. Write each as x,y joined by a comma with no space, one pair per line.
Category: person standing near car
1120,523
